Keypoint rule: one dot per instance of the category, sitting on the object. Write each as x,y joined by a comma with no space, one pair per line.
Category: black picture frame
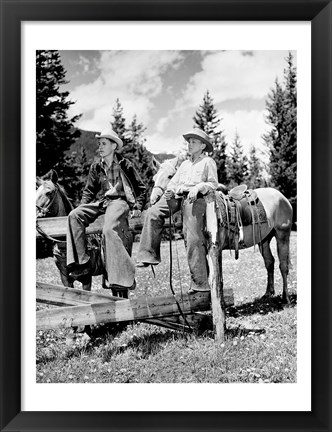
319,12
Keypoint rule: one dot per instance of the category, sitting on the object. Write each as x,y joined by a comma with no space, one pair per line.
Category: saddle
241,207
240,192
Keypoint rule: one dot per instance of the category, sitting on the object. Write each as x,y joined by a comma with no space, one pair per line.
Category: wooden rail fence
89,308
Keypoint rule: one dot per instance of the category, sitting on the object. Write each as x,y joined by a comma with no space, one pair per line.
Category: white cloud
231,75
250,126
138,77
158,143
85,63
135,77
161,124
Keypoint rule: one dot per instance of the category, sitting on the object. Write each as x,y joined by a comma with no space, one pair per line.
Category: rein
171,267
43,234
159,187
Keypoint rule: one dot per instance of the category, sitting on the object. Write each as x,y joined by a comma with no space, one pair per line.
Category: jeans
119,265
193,230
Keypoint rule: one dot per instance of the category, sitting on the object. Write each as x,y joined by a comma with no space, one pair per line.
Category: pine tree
77,167
119,122
237,163
133,145
55,132
135,132
255,168
206,118
119,126
140,154
282,139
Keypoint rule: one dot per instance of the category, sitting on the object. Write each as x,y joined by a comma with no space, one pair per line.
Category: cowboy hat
202,136
111,135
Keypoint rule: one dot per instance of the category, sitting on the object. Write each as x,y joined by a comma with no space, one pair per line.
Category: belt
186,193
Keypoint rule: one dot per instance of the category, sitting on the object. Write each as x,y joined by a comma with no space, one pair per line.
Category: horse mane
170,163
173,163
66,202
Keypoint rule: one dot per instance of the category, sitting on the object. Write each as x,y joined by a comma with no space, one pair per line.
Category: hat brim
208,147
112,138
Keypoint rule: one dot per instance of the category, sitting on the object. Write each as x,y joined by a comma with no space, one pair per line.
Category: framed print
28,402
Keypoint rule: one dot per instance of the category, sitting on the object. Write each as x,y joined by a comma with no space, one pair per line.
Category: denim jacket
97,184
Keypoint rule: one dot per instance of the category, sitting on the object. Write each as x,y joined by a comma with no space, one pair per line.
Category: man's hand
192,195
169,194
155,195
135,213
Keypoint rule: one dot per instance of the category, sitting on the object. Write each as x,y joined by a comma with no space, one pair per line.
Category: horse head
161,179
51,199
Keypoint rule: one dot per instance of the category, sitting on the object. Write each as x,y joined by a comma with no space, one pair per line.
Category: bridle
44,210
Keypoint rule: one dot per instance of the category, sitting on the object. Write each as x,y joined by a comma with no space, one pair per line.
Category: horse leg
269,264
282,237
66,280
86,282
120,293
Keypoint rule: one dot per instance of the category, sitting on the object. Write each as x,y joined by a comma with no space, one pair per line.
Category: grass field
260,345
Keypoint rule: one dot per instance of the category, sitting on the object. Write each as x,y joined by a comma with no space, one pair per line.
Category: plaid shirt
99,183
113,177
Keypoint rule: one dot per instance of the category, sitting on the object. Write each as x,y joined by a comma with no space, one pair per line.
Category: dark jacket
97,184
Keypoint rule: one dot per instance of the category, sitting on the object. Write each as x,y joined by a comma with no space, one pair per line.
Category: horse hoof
286,302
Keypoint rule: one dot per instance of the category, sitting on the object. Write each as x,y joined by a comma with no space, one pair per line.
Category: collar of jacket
117,158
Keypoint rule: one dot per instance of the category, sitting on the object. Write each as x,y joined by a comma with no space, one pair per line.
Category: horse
52,201
279,214
165,171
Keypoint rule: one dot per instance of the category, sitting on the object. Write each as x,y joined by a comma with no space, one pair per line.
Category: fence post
215,269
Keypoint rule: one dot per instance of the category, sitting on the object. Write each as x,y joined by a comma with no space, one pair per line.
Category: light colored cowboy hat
110,134
202,136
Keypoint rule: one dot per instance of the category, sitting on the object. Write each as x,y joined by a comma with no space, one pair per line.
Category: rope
259,226
253,221
221,199
171,266
178,260
43,234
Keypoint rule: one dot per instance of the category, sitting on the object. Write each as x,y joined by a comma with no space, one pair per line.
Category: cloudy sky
165,88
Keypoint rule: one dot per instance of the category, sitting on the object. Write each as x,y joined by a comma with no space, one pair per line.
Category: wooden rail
57,226
215,266
86,308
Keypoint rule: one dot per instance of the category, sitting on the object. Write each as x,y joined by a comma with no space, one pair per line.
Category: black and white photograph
171,234
149,164
166,218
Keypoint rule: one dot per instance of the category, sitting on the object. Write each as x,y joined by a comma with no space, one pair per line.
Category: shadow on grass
263,306
151,343
146,345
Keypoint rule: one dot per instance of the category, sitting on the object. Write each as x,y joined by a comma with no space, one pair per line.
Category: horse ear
54,176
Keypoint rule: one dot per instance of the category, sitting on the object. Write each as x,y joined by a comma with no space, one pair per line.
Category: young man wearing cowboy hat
194,179
113,188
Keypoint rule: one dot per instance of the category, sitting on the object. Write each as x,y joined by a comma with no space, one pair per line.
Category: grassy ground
260,345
